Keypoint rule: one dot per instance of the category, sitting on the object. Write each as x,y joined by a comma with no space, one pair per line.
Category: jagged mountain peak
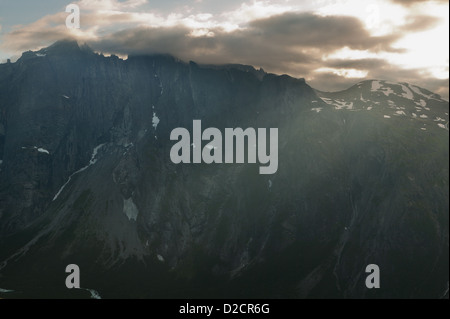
67,48
389,100
64,45
382,88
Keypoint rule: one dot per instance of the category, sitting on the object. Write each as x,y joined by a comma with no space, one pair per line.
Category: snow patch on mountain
387,91
376,85
94,293
418,91
42,150
39,149
362,99
327,100
407,93
94,154
5,291
92,161
155,121
338,104
130,209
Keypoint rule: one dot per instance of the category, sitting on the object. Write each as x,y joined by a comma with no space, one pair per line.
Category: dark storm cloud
280,37
284,33
282,42
328,32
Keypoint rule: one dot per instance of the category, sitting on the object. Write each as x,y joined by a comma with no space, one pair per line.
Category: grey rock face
86,178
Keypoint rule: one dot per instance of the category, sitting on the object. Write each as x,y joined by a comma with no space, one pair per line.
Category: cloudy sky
331,43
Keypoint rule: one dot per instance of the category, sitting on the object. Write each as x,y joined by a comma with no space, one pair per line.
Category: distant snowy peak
403,90
378,91
391,100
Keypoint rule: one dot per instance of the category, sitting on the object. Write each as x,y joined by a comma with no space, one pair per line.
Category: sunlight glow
346,73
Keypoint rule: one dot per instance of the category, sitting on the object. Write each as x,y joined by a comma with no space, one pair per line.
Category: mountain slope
393,100
86,178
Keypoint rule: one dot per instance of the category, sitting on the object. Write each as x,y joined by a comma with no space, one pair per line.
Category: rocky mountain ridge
86,178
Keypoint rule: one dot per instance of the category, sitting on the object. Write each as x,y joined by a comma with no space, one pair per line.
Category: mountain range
86,179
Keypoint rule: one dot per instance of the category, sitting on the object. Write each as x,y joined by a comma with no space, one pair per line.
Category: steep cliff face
86,178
